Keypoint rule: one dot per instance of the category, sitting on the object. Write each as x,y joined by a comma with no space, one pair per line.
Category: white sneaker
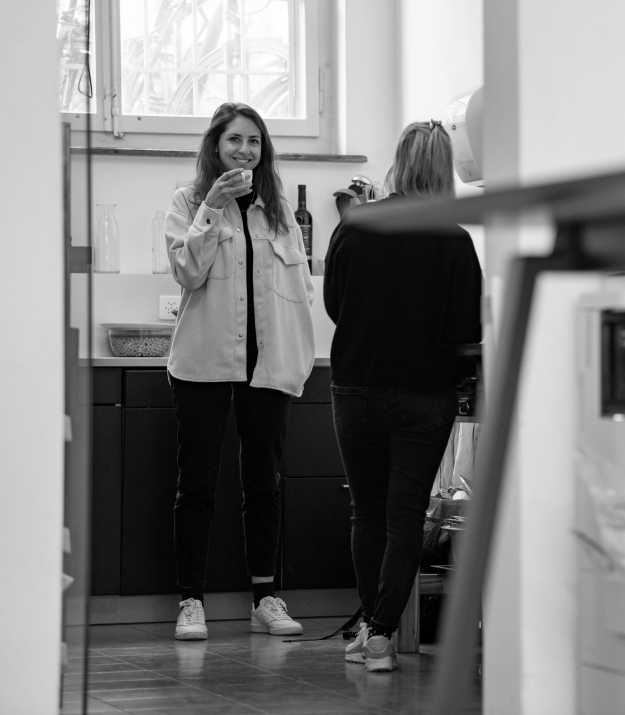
271,617
380,654
355,651
191,623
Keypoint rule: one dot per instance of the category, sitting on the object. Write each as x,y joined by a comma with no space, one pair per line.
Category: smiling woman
244,334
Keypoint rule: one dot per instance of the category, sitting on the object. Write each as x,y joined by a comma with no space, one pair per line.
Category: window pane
211,91
269,93
185,57
266,62
76,82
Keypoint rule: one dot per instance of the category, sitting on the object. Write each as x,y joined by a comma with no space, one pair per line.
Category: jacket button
240,262
240,336
242,299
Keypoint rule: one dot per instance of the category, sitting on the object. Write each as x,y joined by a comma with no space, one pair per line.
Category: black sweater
251,346
401,302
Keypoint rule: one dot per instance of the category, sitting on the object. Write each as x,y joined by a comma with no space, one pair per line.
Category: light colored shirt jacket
207,254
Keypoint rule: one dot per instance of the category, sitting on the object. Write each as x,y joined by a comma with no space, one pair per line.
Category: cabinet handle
345,486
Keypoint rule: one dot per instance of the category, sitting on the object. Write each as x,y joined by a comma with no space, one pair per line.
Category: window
164,66
76,87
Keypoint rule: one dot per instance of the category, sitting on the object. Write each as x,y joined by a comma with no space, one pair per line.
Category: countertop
111,361
470,349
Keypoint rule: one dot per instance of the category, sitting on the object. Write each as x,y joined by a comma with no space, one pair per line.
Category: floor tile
94,707
140,668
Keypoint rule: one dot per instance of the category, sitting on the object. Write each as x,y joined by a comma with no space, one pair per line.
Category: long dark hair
209,167
423,161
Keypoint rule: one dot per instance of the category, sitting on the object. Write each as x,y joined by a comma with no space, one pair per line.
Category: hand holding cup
230,185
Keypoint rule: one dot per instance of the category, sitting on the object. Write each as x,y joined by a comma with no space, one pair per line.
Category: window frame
108,118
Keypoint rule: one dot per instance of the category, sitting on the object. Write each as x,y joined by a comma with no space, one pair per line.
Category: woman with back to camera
243,334
401,302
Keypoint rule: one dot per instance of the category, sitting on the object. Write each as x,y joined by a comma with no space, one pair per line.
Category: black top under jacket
251,346
401,302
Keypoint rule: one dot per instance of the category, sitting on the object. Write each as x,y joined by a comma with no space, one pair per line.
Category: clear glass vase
106,245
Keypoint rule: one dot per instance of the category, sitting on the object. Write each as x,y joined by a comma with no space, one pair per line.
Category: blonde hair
423,161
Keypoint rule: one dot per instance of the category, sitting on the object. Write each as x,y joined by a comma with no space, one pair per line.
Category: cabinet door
147,388
311,448
150,473
106,500
317,387
106,385
317,550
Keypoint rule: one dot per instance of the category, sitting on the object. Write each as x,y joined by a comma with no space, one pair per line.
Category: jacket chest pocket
223,265
288,271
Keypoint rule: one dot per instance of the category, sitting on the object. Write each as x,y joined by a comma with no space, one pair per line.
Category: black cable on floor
347,634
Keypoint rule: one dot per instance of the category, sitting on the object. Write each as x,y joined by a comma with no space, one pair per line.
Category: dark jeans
391,442
261,416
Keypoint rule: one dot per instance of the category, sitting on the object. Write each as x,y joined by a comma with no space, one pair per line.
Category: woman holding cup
243,335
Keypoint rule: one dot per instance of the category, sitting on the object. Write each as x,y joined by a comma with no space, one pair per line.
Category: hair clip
435,123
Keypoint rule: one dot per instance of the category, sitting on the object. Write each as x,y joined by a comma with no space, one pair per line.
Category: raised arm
193,236
192,240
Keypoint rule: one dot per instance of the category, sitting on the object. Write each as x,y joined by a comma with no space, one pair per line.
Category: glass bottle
305,221
160,261
106,253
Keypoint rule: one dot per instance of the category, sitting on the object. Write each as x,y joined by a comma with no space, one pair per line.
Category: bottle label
307,236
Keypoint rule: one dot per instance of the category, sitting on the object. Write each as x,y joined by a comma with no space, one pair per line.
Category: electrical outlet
168,306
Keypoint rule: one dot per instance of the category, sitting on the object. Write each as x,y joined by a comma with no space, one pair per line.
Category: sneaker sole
380,665
284,631
191,635
355,658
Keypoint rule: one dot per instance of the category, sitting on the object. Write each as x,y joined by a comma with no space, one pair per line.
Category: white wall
441,55
31,438
570,95
550,104
440,58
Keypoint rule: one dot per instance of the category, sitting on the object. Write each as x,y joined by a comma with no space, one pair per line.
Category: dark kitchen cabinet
316,550
106,500
317,534
148,565
106,487
147,561
311,448
147,388
317,387
107,386
135,483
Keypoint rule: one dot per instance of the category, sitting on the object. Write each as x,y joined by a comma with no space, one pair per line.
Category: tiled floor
141,669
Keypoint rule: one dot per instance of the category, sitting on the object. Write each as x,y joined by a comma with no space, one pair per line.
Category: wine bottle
304,219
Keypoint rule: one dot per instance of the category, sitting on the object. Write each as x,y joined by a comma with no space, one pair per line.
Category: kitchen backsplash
133,298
